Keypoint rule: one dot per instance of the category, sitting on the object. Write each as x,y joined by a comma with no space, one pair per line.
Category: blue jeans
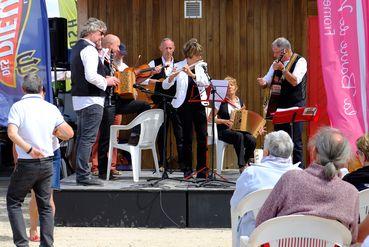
55,180
31,174
88,122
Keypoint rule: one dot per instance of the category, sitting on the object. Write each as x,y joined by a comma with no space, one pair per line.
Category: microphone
206,71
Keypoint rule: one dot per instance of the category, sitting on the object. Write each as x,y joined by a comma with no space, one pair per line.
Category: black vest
224,114
80,86
158,85
290,95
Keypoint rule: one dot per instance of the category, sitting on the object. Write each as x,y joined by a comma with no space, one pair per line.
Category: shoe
89,181
95,173
116,172
187,173
111,177
35,238
202,173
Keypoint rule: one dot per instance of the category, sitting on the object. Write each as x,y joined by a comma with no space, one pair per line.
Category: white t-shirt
36,120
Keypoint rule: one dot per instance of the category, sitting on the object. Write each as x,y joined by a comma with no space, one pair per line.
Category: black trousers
174,119
120,107
193,115
31,174
243,142
297,140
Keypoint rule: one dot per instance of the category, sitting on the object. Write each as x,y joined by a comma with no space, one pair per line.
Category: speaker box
58,41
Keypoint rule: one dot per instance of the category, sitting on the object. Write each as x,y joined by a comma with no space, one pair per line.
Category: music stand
216,93
294,115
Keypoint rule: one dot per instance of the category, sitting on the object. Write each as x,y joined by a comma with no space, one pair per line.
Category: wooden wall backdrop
236,34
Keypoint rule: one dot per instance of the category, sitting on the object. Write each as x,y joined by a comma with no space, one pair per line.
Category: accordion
247,121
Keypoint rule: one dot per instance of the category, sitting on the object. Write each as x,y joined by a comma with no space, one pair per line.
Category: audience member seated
317,190
278,148
360,177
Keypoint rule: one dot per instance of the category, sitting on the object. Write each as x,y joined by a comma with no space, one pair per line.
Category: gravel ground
130,237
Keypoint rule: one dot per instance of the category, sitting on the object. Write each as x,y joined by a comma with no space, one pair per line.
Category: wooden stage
168,203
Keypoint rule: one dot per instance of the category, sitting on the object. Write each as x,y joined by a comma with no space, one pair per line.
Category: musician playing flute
292,68
190,76
243,142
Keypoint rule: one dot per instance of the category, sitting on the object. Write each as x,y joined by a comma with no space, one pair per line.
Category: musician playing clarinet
190,76
290,70
114,105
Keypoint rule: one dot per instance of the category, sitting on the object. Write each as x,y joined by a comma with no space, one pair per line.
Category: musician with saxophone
289,72
190,76
244,143
113,105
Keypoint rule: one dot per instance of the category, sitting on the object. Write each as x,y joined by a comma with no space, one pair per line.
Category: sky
52,8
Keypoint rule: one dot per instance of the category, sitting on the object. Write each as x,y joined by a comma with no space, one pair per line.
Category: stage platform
169,203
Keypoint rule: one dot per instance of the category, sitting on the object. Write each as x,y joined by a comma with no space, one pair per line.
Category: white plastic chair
252,202
219,145
299,230
363,204
150,122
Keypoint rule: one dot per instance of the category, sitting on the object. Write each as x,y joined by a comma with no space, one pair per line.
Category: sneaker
89,181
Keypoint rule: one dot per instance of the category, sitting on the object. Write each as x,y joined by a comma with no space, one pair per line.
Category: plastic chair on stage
150,122
252,202
298,231
363,204
219,145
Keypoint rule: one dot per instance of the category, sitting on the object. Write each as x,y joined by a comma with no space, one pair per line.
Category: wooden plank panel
236,34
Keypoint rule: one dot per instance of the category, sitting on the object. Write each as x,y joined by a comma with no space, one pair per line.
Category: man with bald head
114,105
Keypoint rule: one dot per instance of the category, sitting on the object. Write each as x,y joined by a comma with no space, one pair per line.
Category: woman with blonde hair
360,177
243,142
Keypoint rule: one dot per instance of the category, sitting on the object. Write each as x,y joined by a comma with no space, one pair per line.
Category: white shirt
167,70
182,83
255,177
299,71
36,120
89,57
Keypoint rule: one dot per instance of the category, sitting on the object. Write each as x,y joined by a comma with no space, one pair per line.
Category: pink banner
344,64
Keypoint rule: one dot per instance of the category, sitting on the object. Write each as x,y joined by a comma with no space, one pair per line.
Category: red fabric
316,95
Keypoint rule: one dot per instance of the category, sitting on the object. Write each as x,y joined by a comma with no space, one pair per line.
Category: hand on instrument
188,71
228,122
173,75
157,69
262,131
278,66
262,82
112,81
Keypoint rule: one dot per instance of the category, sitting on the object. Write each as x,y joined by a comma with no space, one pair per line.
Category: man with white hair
287,75
278,148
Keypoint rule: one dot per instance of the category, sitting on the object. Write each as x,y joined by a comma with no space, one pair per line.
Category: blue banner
24,48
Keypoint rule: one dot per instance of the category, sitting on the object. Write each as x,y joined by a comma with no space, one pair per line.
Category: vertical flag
24,48
68,10
344,44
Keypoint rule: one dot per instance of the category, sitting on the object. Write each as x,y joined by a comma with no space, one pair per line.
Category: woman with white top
191,82
243,142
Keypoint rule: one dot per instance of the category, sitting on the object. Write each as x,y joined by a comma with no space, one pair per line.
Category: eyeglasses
101,32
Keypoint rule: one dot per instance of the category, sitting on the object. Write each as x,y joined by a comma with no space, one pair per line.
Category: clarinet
111,89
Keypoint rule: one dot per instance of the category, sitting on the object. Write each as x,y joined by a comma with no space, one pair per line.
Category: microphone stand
213,174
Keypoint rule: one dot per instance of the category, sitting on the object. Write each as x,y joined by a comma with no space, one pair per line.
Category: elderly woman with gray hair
317,190
278,148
